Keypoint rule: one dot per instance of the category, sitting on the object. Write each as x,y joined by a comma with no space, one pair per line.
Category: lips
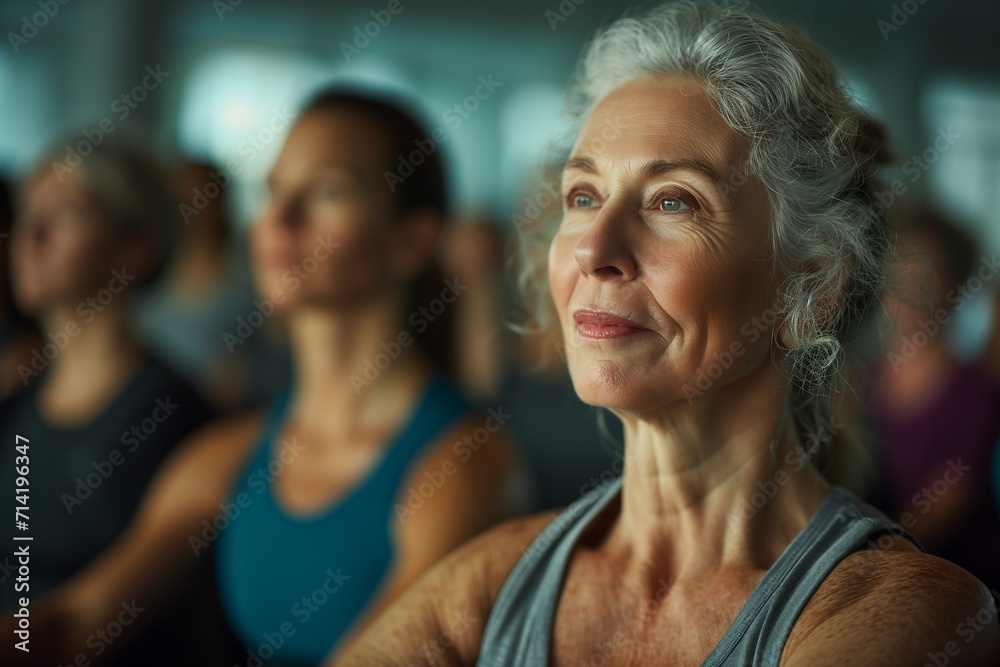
600,325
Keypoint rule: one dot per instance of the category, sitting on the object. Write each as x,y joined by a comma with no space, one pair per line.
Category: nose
605,250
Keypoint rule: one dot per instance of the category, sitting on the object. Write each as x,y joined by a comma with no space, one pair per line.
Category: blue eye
581,201
673,205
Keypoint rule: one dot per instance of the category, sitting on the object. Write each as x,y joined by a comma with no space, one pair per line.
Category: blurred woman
99,412
936,417
714,262
370,467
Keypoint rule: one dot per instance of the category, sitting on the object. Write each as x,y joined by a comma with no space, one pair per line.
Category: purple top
948,443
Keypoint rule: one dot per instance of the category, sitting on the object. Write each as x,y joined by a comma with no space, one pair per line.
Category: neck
717,482
90,365
345,358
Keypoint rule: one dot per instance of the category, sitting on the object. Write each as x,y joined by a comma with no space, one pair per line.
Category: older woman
706,304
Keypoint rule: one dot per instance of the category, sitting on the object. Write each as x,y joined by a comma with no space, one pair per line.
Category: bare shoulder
465,483
445,612
499,549
203,467
222,440
472,473
896,607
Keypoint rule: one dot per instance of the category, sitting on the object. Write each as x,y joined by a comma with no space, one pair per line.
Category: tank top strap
349,539
439,407
520,624
841,526
519,629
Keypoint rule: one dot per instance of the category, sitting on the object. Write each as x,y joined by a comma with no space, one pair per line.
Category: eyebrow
653,168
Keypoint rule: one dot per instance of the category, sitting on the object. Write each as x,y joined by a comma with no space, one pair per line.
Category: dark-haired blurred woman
371,466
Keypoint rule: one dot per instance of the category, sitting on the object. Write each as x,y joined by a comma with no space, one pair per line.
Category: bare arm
452,495
915,609
441,619
142,566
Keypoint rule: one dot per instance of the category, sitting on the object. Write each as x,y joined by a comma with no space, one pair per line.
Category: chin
607,385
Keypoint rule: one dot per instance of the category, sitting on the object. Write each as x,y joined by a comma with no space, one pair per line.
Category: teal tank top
519,628
292,585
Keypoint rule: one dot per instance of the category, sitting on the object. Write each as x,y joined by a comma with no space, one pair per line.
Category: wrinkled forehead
660,118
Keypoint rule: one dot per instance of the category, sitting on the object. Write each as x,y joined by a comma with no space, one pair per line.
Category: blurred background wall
226,69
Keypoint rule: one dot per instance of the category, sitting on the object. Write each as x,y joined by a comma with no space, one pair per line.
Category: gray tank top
519,628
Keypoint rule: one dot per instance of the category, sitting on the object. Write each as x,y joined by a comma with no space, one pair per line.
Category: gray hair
814,150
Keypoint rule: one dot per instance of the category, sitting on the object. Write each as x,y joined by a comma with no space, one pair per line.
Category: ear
812,311
415,242
819,305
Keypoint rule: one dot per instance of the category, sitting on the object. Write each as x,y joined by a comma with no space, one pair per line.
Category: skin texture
689,262
326,183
